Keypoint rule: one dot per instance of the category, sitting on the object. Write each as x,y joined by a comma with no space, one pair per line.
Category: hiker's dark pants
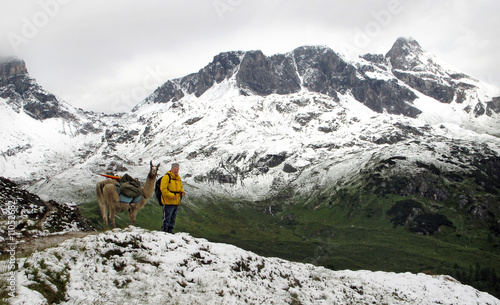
169,215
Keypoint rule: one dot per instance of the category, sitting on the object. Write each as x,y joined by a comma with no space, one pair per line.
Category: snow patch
143,267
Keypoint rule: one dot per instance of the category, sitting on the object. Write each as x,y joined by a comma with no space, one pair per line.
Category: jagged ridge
320,69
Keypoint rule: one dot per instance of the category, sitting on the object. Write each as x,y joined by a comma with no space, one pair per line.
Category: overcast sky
109,55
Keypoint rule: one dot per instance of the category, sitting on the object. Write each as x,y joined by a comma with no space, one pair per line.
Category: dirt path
32,244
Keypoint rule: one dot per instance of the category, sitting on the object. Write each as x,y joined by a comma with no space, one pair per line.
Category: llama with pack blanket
114,196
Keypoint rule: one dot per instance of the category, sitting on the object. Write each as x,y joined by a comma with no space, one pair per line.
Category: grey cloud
91,52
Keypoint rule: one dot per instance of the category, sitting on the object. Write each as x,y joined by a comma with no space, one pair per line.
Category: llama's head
153,170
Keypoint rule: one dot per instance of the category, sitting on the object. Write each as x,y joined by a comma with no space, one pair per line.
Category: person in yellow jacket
171,195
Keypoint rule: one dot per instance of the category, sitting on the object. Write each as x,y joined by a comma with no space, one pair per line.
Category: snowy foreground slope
135,266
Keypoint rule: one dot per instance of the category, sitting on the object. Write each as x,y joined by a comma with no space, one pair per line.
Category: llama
109,200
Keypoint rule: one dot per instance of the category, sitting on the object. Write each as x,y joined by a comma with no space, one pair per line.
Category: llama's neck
149,186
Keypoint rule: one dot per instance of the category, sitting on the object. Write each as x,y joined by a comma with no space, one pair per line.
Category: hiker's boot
170,230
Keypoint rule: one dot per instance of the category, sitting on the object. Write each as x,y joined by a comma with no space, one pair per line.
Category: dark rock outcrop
411,66
326,72
222,67
32,216
411,213
13,71
320,69
402,55
256,73
168,92
264,75
22,92
494,105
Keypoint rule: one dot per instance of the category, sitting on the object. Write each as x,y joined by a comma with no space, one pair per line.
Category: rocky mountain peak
225,64
425,73
314,68
23,92
403,53
11,67
13,71
222,67
406,54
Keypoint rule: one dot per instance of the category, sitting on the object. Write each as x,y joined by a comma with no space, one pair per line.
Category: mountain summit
22,92
310,68
421,71
382,83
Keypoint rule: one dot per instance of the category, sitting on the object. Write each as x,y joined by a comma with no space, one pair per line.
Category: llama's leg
112,213
102,204
104,211
132,213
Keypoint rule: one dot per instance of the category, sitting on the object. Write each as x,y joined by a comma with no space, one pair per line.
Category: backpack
130,187
158,189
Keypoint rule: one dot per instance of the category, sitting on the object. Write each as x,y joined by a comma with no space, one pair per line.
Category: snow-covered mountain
141,267
41,134
251,126
311,124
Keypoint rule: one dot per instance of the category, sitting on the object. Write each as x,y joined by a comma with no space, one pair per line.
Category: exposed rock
34,217
402,54
487,173
304,118
287,79
44,106
217,175
441,92
193,120
263,75
494,104
168,92
287,168
411,65
256,73
386,96
222,67
322,70
412,214
272,160
13,71
480,211
378,59
24,93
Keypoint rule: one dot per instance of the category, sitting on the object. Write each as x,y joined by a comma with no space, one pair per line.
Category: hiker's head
175,168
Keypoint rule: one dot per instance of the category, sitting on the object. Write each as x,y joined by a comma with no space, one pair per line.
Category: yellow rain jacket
171,188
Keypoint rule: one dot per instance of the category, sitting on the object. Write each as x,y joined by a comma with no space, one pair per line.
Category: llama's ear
158,166
151,163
